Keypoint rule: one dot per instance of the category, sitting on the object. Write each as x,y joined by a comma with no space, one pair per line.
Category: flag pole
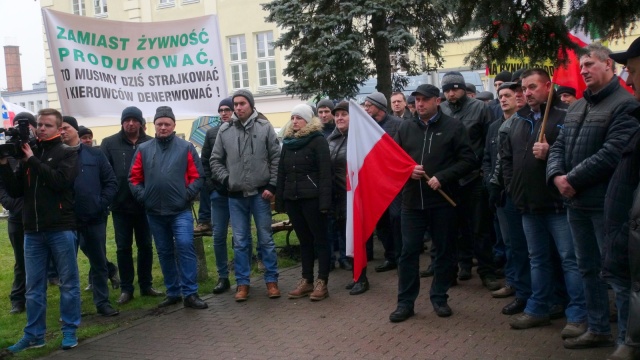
441,192
546,114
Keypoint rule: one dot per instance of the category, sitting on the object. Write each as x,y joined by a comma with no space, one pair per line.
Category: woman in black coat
304,192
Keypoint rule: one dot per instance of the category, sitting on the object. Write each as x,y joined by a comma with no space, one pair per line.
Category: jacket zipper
314,184
35,196
424,143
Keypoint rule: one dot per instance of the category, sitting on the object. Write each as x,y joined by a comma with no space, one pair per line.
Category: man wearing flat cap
439,144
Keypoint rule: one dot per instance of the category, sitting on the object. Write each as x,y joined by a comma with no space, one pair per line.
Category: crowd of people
545,186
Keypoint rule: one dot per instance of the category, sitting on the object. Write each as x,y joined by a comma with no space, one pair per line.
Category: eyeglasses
227,110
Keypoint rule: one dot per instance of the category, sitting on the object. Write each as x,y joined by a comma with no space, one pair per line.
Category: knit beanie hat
566,90
378,100
132,112
452,80
304,111
82,131
470,87
245,94
164,111
515,77
28,116
504,76
71,121
342,105
326,103
228,102
411,99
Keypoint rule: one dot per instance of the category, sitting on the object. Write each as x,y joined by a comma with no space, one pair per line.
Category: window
100,7
22,104
39,103
78,7
165,4
31,106
238,57
266,59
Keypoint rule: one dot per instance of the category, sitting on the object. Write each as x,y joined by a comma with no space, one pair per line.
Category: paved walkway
340,327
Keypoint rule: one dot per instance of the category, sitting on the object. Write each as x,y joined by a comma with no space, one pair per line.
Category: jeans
124,225
16,237
220,220
623,293
515,241
442,225
241,209
542,231
310,226
587,227
173,235
340,230
204,213
93,240
38,248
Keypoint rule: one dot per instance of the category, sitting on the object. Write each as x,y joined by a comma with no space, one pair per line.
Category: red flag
377,169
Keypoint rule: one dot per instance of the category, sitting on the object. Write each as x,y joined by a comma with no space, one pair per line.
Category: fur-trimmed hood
311,127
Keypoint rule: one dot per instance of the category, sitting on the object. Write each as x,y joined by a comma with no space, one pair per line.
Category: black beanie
226,102
132,112
71,121
504,76
164,111
82,131
28,116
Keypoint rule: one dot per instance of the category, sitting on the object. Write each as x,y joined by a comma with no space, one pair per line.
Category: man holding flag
440,146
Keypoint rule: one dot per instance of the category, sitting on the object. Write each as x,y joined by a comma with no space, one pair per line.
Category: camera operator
16,232
45,180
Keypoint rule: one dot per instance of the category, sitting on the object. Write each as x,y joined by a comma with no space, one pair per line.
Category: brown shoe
504,292
242,293
202,228
320,290
303,289
272,290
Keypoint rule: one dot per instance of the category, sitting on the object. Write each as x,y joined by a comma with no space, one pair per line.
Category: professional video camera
18,135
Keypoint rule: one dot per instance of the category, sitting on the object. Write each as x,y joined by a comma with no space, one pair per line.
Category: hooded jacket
596,129
245,156
46,183
95,187
166,175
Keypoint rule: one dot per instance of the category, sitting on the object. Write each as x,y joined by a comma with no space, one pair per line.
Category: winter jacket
95,187
119,151
490,152
390,124
13,205
442,147
166,175
207,147
338,155
245,156
304,172
406,114
328,128
524,175
596,129
46,183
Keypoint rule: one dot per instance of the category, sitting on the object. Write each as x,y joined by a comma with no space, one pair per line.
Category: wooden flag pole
441,192
546,114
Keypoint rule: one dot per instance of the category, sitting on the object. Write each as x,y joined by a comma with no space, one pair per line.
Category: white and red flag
9,111
377,169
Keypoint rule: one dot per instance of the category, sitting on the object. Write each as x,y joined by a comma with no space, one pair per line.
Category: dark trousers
93,239
125,225
475,221
442,225
111,267
16,237
389,231
311,229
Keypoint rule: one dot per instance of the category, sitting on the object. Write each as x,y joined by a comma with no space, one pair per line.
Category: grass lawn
11,326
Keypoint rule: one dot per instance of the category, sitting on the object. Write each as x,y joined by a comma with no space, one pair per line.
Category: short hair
399,93
54,112
536,71
598,51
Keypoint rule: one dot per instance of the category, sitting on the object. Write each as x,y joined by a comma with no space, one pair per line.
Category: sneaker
573,330
320,290
526,321
491,283
428,272
503,292
69,340
303,289
589,340
272,290
24,344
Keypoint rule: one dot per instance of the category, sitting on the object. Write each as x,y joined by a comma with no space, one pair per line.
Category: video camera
18,135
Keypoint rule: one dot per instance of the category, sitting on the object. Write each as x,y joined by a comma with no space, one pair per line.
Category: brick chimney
12,65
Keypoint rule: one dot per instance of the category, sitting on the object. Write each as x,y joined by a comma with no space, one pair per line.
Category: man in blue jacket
166,176
95,187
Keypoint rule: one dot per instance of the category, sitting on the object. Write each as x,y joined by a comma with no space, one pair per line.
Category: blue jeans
220,220
518,267
542,231
204,213
587,227
623,292
39,247
173,235
241,209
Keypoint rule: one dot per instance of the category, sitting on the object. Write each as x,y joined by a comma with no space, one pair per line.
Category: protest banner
102,66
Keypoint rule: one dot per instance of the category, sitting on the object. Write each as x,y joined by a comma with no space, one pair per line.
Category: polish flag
377,169
9,111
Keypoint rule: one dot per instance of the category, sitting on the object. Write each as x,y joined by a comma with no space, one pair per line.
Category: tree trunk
381,55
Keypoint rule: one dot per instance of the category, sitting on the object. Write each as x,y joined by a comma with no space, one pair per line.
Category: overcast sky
21,25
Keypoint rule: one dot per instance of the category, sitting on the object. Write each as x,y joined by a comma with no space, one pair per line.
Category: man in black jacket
524,161
94,189
581,162
45,180
440,146
128,215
